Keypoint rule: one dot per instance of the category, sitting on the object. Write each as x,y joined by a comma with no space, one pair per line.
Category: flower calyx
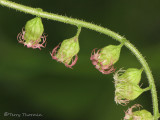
104,58
126,91
137,115
67,52
32,36
131,75
127,85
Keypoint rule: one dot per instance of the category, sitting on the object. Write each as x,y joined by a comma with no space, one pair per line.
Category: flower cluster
66,52
126,82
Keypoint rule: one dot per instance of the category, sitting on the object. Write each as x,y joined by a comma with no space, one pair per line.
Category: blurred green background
31,82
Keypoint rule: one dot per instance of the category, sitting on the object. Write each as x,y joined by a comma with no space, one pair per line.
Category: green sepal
128,91
69,48
34,30
110,54
143,115
131,75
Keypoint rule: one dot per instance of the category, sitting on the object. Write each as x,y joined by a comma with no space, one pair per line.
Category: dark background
31,82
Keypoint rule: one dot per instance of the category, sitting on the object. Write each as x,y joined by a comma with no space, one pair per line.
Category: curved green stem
97,28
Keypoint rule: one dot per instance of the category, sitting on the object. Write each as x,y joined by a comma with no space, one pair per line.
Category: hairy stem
80,23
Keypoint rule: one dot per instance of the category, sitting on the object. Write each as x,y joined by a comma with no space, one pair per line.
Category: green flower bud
126,91
68,49
33,29
131,75
33,34
137,115
105,58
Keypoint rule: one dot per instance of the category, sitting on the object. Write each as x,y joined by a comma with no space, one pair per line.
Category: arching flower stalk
99,29
105,58
68,50
32,36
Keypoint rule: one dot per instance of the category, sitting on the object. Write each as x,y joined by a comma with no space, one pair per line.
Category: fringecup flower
126,91
104,58
137,115
126,85
67,52
33,36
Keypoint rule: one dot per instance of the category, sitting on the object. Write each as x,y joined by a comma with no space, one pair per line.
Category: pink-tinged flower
104,58
137,115
39,43
129,112
105,69
67,52
33,36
